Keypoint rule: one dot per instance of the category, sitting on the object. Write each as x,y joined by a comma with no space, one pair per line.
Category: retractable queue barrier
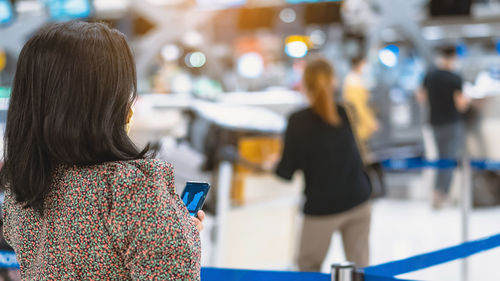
427,260
383,272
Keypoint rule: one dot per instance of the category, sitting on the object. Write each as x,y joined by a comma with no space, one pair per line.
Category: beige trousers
354,226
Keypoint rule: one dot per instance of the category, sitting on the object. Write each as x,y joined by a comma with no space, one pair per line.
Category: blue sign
61,10
6,12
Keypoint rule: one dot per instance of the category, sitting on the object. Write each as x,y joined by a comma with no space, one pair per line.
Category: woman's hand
270,163
198,221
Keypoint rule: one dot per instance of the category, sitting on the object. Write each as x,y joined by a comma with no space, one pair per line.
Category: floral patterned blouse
115,221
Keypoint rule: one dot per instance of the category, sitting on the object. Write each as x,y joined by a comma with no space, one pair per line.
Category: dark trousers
450,142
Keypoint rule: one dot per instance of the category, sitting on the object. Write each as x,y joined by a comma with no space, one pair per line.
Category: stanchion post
343,271
465,208
222,208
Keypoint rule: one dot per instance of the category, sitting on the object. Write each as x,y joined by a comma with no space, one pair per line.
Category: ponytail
317,80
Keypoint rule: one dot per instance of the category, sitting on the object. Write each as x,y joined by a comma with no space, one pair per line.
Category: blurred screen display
450,7
6,12
194,195
323,13
68,9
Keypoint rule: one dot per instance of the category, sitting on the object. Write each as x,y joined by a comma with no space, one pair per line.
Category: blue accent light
461,50
6,12
389,56
61,10
497,46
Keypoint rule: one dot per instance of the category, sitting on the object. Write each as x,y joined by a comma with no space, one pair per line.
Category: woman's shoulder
147,166
308,111
301,114
152,169
142,176
123,174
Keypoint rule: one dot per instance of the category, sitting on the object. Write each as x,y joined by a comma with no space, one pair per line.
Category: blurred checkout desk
249,123
241,114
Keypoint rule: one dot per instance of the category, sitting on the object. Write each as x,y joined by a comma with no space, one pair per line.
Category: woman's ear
130,115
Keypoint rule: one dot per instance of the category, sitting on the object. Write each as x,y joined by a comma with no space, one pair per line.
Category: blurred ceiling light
196,59
111,5
219,4
181,83
389,55
193,39
318,37
165,2
77,6
29,6
170,52
288,15
251,65
296,49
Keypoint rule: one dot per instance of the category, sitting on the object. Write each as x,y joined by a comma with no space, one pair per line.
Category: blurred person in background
320,142
357,98
442,89
81,201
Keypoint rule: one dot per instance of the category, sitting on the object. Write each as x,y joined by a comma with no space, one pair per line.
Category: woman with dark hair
320,142
82,203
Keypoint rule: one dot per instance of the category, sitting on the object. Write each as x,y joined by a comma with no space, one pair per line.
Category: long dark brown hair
74,86
318,82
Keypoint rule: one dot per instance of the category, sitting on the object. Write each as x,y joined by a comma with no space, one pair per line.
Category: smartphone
194,196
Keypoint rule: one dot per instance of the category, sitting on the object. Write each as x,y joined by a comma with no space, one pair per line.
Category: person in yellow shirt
356,99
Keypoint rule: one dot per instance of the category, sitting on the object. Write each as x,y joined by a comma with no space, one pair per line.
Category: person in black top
319,141
442,88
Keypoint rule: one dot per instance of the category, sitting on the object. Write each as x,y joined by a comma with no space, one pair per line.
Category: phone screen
194,196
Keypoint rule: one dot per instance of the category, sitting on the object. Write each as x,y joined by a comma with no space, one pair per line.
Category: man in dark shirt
442,88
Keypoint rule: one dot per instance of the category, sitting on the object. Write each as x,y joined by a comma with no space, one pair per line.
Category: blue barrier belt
419,163
440,164
434,258
367,277
216,274
487,165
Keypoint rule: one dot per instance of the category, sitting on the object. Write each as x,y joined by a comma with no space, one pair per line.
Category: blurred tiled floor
263,236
